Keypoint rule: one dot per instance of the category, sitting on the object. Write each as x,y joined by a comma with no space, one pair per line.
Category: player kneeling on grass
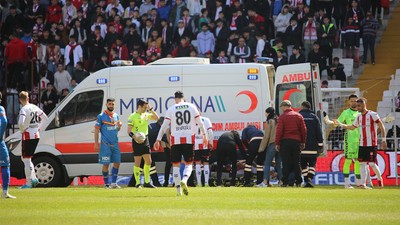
4,157
184,119
108,124
30,119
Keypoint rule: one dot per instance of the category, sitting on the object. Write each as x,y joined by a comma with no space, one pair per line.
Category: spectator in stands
237,21
87,10
163,10
96,48
103,27
132,37
103,63
33,12
309,34
155,38
111,37
282,21
260,44
176,13
62,79
136,59
183,49
114,4
221,36
205,40
221,59
71,86
146,7
268,51
355,12
129,11
339,12
16,54
280,59
166,36
69,13
53,56
146,31
73,54
195,7
79,32
242,52
326,37
293,36
49,99
84,23
397,102
187,21
297,56
64,92
80,73
337,69
316,56
180,32
350,40
370,27
324,84
155,18
13,21
258,20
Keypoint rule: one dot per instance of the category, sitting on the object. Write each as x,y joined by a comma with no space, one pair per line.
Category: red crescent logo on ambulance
253,100
289,93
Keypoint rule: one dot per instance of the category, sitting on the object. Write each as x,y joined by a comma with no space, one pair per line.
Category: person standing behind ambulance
30,120
314,143
202,152
290,138
268,145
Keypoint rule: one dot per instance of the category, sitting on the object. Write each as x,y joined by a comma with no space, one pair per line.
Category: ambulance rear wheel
48,171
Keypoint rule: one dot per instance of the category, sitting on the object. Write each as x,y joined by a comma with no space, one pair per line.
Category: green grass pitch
222,206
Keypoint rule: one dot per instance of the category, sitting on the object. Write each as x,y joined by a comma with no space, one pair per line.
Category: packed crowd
61,42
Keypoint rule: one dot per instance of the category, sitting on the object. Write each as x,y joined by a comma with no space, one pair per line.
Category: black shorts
29,147
201,155
367,154
141,149
185,150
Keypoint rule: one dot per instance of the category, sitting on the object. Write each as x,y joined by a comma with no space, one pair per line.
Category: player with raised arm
183,119
368,123
108,124
138,125
202,152
4,157
351,142
30,120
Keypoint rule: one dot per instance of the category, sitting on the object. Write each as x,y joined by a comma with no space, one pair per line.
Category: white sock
206,173
33,174
28,170
187,172
198,174
346,181
376,169
363,172
177,175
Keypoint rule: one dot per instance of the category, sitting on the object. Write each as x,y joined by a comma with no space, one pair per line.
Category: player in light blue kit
4,157
108,124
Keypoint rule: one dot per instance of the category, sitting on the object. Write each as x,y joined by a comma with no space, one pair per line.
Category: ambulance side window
84,107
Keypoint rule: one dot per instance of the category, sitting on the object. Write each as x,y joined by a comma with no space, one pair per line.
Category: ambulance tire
48,171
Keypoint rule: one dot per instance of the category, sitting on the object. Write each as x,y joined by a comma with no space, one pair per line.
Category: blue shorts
109,154
4,157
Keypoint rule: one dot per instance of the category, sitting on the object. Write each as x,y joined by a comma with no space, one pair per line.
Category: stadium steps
374,79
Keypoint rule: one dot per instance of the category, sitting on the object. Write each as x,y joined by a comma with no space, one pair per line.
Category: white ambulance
231,95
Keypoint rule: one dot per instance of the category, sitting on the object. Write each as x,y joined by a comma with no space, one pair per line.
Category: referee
138,122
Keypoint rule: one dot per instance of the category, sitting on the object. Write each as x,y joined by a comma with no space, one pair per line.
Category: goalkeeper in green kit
351,142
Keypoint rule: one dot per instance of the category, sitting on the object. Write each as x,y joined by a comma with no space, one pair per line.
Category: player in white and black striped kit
182,118
31,118
202,152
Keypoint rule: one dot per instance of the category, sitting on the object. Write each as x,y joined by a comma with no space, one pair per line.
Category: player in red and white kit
30,119
202,152
368,122
182,118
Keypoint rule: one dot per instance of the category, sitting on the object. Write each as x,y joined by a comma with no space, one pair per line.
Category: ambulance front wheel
48,171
